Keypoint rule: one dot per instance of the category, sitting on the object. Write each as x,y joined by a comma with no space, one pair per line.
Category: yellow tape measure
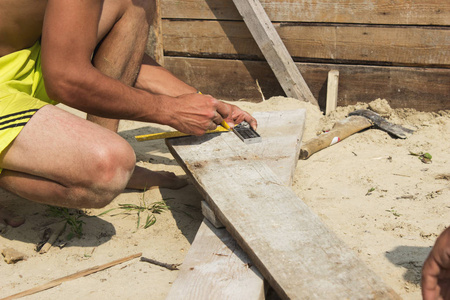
172,134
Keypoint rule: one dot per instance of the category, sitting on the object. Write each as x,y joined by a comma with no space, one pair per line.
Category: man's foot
9,218
144,179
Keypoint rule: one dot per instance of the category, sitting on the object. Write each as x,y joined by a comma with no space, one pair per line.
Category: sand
386,204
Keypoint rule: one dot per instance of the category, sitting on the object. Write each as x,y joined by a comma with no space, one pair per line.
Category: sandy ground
385,204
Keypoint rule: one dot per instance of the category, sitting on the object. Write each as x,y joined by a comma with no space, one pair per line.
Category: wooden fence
398,50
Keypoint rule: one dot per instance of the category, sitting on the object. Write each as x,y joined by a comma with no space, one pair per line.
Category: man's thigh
60,146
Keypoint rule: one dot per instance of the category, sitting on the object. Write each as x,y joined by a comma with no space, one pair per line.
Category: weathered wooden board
407,12
154,47
299,256
407,45
216,268
425,89
274,51
281,133
226,274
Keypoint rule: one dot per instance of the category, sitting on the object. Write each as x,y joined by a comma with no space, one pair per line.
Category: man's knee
110,170
114,163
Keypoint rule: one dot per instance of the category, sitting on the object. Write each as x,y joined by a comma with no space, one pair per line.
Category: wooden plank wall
398,50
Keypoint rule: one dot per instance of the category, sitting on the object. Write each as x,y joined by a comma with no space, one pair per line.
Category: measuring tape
172,134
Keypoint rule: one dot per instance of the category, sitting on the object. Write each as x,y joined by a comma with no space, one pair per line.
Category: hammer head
383,124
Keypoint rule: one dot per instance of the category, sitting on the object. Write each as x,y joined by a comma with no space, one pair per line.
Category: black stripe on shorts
18,113
13,125
26,115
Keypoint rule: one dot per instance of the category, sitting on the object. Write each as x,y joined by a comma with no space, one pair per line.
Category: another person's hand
436,270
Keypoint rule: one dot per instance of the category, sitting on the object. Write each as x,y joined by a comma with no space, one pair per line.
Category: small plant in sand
369,191
72,218
393,211
149,209
426,157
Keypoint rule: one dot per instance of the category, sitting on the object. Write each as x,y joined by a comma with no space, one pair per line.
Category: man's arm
70,35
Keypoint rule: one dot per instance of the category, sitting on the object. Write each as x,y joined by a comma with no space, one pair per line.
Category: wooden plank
406,12
216,268
281,133
332,91
73,276
274,50
154,47
299,256
409,46
424,89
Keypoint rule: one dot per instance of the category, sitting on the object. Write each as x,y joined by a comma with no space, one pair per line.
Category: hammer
355,122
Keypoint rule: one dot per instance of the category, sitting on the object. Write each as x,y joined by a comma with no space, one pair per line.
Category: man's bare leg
120,56
60,159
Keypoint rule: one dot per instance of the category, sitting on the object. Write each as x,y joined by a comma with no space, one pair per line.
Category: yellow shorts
22,91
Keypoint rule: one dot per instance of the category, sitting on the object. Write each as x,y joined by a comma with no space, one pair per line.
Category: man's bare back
20,24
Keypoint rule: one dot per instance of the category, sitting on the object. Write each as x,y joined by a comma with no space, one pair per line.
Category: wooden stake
79,274
332,91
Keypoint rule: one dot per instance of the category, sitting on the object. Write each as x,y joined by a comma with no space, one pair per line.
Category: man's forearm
156,79
94,93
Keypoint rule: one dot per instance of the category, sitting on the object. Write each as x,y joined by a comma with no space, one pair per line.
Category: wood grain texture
332,91
226,274
154,47
274,51
388,45
418,12
216,268
299,256
425,89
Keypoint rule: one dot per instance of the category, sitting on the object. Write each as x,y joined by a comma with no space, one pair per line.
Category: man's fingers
253,123
212,126
223,109
217,119
245,116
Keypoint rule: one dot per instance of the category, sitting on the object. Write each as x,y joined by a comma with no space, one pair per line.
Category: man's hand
197,113
238,115
436,270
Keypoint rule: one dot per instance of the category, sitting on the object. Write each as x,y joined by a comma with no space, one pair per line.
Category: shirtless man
92,58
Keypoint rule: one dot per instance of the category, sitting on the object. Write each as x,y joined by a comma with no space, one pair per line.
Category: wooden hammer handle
340,131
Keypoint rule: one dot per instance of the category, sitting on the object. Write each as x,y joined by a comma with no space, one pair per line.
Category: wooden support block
274,50
209,214
281,133
332,91
298,255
